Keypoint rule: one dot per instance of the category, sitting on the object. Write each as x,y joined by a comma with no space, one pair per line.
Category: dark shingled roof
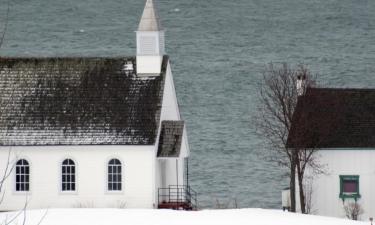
77,101
170,138
334,118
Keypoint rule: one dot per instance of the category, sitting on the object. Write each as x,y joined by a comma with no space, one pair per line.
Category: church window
22,175
68,175
114,175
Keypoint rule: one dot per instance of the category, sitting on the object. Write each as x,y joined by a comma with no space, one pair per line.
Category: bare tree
278,95
230,203
353,210
309,191
9,166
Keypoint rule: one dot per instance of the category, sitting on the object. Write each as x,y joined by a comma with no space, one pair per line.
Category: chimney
301,85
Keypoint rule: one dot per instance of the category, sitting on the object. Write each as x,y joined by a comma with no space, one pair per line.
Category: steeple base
149,65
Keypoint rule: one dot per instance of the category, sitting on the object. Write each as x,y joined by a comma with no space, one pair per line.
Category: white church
94,132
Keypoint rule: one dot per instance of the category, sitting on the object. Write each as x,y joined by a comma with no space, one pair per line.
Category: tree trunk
293,182
301,188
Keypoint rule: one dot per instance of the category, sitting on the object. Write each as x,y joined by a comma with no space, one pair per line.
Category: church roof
77,101
150,20
334,118
170,138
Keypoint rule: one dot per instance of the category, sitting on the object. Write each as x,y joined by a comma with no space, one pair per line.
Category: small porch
177,197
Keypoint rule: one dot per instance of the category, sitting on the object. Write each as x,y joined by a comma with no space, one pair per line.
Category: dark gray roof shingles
77,101
334,118
170,138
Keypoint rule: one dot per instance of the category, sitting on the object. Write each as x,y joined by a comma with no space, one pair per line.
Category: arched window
114,175
22,175
68,175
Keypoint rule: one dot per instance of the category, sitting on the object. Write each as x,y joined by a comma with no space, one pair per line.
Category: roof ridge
340,89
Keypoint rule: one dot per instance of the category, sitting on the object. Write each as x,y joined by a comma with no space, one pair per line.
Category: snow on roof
170,217
77,101
150,20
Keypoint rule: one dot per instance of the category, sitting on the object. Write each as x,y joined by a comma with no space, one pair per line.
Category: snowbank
168,217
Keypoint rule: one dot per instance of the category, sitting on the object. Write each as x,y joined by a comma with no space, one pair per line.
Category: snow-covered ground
81,216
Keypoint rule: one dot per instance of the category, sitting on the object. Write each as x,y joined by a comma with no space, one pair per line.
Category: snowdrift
80,216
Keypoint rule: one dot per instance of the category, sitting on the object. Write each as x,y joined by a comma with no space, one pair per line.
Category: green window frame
350,178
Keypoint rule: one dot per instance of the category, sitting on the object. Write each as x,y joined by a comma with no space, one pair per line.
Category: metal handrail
178,194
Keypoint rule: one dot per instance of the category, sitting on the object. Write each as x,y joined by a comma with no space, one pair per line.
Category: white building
340,124
93,132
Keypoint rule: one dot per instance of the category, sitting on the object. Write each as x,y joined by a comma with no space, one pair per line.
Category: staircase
177,198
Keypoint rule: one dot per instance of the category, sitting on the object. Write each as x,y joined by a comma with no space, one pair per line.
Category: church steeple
150,41
150,18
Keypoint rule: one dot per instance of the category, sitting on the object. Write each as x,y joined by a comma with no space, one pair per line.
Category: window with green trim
349,186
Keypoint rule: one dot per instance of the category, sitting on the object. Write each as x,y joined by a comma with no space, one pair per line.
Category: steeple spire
150,41
150,18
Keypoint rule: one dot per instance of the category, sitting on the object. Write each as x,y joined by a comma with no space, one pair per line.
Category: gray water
218,49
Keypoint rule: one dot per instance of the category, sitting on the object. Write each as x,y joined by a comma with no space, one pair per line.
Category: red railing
177,197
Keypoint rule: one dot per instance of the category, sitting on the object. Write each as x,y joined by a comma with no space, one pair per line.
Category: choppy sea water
218,49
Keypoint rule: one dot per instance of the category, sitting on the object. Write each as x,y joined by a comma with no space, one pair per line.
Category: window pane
350,186
73,169
119,187
27,187
73,187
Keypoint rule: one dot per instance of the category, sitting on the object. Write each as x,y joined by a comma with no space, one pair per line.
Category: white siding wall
166,168
326,188
91,174
170,110
149,64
